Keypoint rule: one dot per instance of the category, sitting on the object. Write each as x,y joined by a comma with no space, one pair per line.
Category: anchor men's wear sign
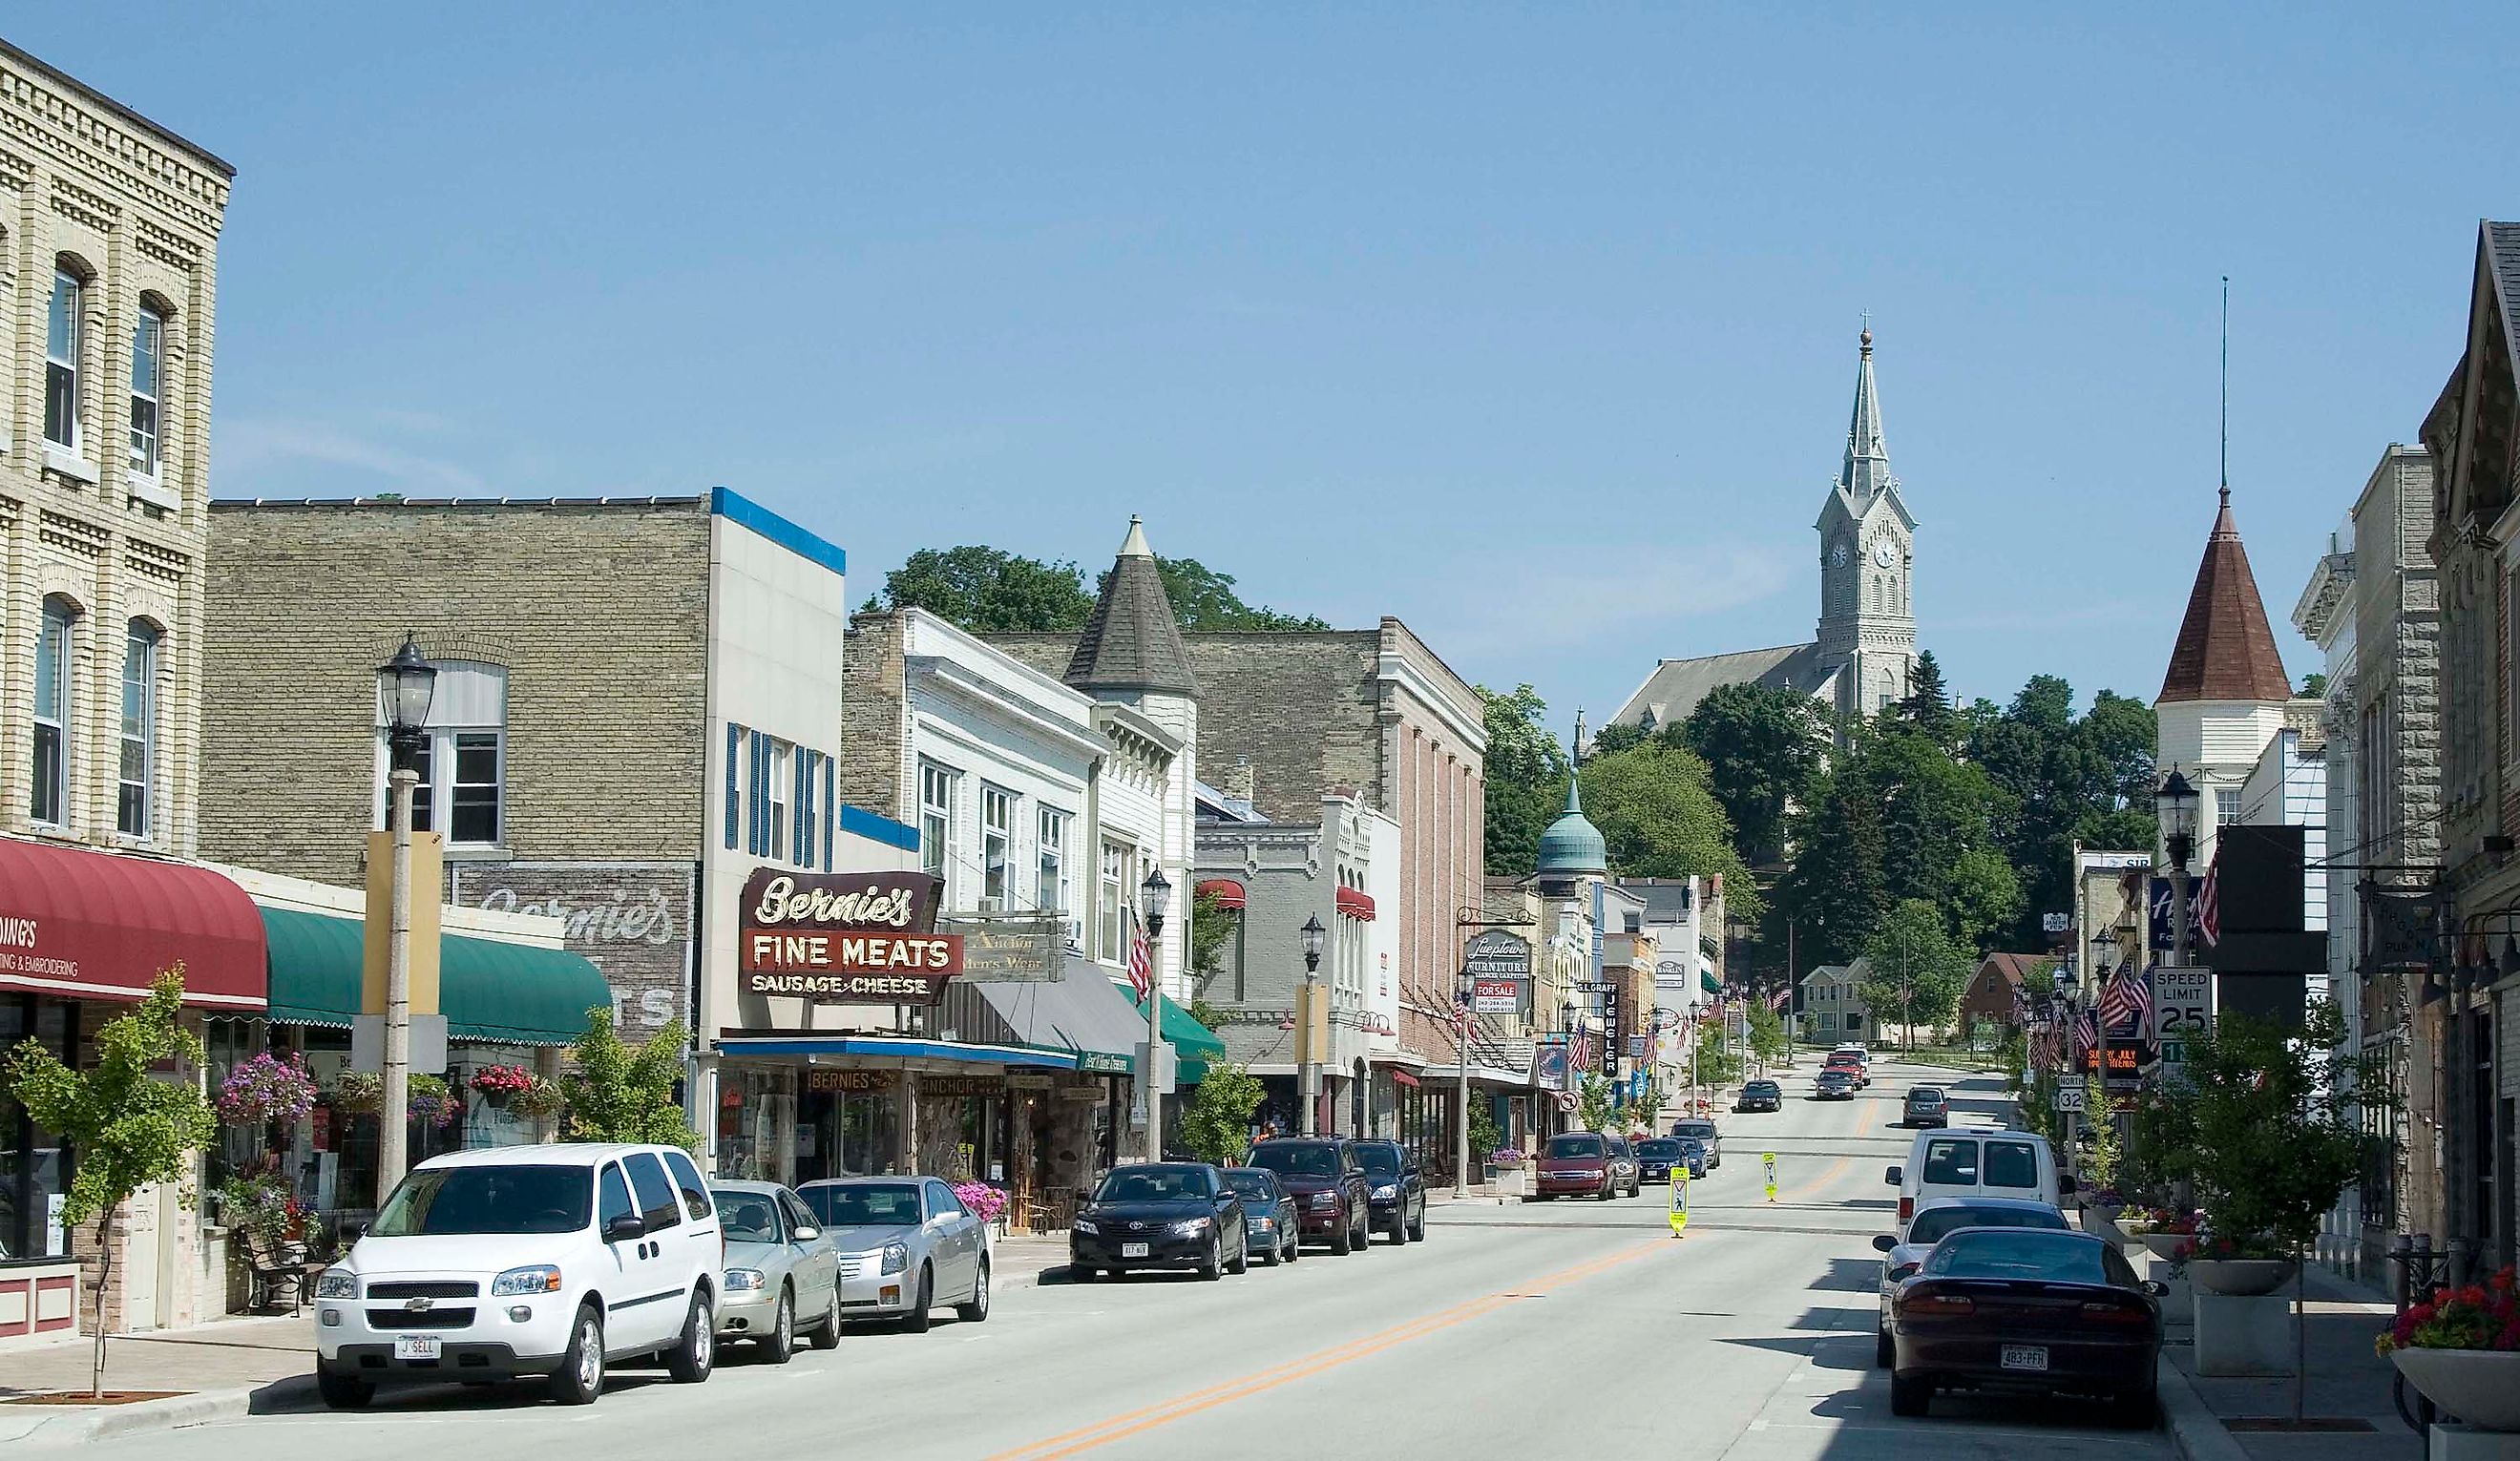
843,938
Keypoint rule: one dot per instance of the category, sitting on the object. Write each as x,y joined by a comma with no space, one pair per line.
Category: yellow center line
1863,1123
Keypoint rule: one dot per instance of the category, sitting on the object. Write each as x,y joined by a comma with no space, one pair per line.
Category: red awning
1224,890
92,925
1354,904
1402,1077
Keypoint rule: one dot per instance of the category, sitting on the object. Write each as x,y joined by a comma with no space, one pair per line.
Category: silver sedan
906,1244
781,1273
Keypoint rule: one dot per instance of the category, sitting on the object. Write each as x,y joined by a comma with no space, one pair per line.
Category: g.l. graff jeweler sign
844,938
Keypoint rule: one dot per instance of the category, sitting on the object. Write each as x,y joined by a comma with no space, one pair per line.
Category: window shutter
757,830
734,797
800,826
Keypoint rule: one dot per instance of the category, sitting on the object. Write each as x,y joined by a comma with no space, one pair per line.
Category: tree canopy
1526,779
1762,746
991,590
1658,815
1915,966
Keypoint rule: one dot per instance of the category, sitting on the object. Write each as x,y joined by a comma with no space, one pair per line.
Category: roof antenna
2226,390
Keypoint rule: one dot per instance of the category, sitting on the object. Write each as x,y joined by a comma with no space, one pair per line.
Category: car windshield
1659,1147
747,1217
1251,1184
1575,1145
1760,1088
1379,1160
1298,1160
867,1205
519,1198
1697,1128
1154,1185
1929,1226
2057,1257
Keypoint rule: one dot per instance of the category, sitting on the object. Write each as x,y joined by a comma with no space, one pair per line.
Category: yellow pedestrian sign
1679,1199
1770,1158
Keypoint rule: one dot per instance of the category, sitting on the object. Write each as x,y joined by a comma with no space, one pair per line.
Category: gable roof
1133,642
1676,685
2225,648
2015,967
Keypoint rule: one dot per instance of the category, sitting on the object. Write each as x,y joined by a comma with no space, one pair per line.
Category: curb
174,1413
2197,1432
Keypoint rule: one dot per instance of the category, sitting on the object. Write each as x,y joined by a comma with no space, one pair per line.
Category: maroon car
2012,1308
1575,1164
1333,1201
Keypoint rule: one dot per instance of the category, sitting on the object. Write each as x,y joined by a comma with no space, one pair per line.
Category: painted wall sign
844,938
632,920
1499,953
1007,948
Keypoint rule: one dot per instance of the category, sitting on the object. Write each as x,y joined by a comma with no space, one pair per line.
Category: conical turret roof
1133,643
1572,847
2226,648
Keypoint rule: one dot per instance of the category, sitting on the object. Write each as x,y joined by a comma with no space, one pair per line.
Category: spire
2226,648
1866,469
1133,642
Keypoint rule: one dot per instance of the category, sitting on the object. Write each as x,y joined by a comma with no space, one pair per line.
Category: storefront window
756,1124
847,1125
35,1164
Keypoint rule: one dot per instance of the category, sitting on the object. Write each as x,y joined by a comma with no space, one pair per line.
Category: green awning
510,994
1709,983
1193,1044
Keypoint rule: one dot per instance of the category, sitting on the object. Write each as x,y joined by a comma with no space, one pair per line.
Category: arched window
135,807
63,341
49,800
148,376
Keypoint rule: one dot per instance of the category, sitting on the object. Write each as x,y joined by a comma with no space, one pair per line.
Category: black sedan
2021,1310
1160,1215
1761,1095
1270,1224
1656,1156
1834,1085
1699,1129
1396,1195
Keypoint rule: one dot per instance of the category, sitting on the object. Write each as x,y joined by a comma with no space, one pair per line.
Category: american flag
2087,1033
2209,905
1782,998
1141,967
2127,1001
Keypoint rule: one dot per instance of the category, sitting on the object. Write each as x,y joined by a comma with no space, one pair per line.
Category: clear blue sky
1532,325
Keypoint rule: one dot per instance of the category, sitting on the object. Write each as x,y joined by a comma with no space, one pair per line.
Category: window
2226,807
1051,891
139,730
782,769
51,714
148,357
613,1195
62,340
462,759
2009,1164
657,1204
1951,1162
997,845
941,1201
696,1193
936,824
1110,924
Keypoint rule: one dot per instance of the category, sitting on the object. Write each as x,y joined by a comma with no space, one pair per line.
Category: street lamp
2175,805
1309,1071
1155,900
405,684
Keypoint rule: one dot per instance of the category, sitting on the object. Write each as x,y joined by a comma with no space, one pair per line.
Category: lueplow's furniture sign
844,938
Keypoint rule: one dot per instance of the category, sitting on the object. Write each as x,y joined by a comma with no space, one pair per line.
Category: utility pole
1154,897
1462,1122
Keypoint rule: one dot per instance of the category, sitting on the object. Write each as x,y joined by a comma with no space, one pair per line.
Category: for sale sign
1496,996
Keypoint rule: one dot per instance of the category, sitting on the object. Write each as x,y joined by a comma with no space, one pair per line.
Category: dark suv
1333,1202
1396,1193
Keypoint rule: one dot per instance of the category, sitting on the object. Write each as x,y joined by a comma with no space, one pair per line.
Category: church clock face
1882,554
1838,555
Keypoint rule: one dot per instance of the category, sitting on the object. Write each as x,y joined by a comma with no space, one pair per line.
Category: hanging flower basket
431,1102
538,1100
500,1083
359,1092
265,1089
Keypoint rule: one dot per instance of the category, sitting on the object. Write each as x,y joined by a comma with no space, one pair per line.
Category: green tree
1836,892
1211,931
626,1093
2314,686
1766,1034
1659,817
1526,779
1926,709
129,1127
1216,1121
1597,1103
2062,779
1617,737
1762,747
1984,895
1934,809
988,590
1203,599
1916,967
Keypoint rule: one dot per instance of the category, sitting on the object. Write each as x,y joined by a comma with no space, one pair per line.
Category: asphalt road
1530,1330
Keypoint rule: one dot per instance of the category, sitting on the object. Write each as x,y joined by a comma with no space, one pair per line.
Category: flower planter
2244,1278
2165,1246
2480,1387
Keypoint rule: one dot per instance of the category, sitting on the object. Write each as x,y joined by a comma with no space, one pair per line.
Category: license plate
1139,1251
409,1347
2027,1358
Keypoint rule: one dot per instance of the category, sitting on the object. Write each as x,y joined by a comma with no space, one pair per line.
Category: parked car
780,1274
1396,1194
1704,1131
1761,1095
1268,1219
1902,1255
525,1261
2014,1309
1160,1215
1926,1106
1575,1164
1623,1166
1656,1156
1331,1195
1835,1083
1976,1161
905,1245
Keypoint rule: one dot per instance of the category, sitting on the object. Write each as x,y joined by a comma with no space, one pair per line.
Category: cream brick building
108,247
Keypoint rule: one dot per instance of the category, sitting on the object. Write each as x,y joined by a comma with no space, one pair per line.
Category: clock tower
1868,625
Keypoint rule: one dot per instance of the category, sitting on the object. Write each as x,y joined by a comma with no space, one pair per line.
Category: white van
1976,1161
525,1261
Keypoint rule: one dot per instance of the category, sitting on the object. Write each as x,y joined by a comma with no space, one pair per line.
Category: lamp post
404,685
1155,900
1461,1102
2105,956
2175,805
1308,1077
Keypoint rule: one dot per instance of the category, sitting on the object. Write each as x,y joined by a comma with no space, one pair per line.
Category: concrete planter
1509,1182
2239,1278
2480,1387
2165,1246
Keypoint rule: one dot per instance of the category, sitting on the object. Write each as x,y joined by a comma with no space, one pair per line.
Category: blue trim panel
801,827
830,811
744,512
876,827
734,769
920,1049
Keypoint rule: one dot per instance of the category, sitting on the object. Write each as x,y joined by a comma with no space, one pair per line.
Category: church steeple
1866,467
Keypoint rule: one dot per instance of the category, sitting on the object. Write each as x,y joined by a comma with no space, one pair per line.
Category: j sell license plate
1133,1249
2027,1358
416,1347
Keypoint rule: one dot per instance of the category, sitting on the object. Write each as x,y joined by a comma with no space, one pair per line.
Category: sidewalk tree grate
110,1398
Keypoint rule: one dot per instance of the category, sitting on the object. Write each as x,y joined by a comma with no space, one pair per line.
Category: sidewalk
219,1370
2210,1419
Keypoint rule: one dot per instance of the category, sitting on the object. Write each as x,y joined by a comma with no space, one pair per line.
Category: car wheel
918,1320
1339,1236
691,1360
1607,1188
1276,1255
1214,1268
1362,1240
1884,1354
1911,1394
826,1334
1242,1254
1399,1233
341,1390
1294,1248
781,1342
1417,1227
580,1376
977,1310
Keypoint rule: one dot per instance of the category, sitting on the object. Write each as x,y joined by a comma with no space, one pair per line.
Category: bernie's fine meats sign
844,938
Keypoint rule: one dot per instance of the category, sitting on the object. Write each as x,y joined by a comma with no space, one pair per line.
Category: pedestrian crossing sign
1679,1199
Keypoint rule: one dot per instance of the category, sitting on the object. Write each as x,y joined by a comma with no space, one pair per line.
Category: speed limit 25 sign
2183,1002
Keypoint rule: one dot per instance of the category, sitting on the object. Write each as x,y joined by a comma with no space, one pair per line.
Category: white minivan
1975,1162
525,1261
